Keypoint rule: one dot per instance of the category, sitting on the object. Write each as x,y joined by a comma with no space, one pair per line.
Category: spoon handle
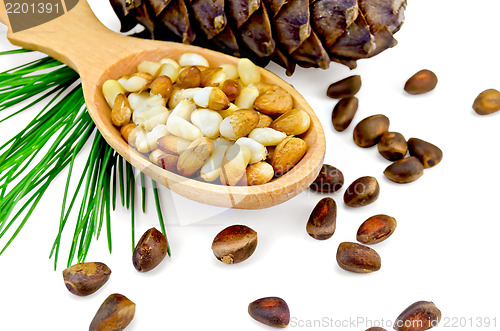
3,14
76,38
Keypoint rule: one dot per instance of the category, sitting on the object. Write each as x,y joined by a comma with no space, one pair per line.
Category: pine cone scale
210,15
330,18
257,34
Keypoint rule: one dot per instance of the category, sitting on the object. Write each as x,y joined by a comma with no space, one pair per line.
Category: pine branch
65,123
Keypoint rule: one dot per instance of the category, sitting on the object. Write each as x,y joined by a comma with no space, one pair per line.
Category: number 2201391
31,8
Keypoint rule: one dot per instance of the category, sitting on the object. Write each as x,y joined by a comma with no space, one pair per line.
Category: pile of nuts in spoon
214,123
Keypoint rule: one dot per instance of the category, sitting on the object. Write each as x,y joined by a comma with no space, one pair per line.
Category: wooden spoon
79,40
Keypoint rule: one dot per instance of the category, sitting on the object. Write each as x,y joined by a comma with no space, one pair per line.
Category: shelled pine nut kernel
216,124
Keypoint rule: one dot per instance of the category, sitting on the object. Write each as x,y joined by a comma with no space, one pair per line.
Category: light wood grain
3,15
79,40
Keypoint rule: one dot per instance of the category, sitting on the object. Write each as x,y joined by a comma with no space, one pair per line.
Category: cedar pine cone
310,33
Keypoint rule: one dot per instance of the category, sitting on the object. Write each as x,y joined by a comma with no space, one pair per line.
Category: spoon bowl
79,40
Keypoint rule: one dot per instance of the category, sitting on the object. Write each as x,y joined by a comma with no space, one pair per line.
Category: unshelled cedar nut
357,258
239,124
287,154
270,153
121,111
85,278
162,85
168,161
211,76
274,102
189,77
329,180
344,88
293,123
376,229
392,146
234,244
150,250
420,316
487,102
376,329
231,89
362,192
115,313
127,133
405,170
193,158
265,121
429,154
322,221
369,131
173,145
234,164
272,311
422,82
344,112
217,100
259,173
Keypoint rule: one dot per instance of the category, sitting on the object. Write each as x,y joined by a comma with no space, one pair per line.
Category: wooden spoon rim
303,173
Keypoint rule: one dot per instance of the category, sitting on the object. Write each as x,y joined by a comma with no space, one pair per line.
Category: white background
445,248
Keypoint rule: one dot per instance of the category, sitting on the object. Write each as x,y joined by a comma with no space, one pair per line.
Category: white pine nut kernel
147,100
140,139
184,109
149,67
181,128
168,69
222,142
249,73
137,100
234,164
129,133
155,155
182,144
173,145
257,150
227,112
133,84
159,131
212,169
230,70
156,100
201,97
110,89
233,107
213,76
267,136
175,97
171,62
219,78
189,93
226,129
208,121
146,113
247,97
146,142
155,120
192,59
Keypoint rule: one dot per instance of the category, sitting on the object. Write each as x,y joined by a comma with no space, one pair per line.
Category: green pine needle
131,200
143,186
160,215
35,156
